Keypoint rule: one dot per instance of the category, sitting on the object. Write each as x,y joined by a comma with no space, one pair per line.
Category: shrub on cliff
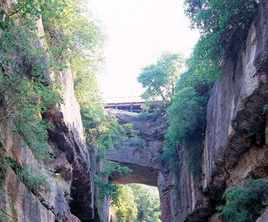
245,203
187,111
222,22
25,90
71,37
223,25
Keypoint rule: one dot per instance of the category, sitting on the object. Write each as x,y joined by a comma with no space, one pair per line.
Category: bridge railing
136,107
126,106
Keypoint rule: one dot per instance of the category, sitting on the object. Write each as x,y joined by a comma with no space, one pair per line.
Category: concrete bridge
140,154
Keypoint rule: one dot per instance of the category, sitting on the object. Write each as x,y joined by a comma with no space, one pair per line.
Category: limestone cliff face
69,195
235,147
235,110
69,173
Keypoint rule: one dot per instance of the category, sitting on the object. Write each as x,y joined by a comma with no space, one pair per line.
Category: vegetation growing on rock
221,23
72,41
245,203
25,89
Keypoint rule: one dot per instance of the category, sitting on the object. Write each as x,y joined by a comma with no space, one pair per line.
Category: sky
136,33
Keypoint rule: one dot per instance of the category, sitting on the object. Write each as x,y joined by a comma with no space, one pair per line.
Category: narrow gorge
63,155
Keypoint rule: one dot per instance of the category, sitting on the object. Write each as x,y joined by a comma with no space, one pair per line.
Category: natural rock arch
143,159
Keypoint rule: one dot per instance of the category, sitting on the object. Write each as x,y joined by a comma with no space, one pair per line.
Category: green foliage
218,20
35,99
28,8
187,120
137,203
105,186
125,209
105,132
245,203
110,168
265,108
203,68
25,91
70,29
74,38
187,111
159,79
222,21
112,133
33,179
148,203
106,189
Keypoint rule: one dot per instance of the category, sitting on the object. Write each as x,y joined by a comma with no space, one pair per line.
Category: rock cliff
234,147
69,193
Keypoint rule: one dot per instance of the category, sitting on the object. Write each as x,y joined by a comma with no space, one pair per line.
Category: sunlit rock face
234,146
68,195
236,121
69,138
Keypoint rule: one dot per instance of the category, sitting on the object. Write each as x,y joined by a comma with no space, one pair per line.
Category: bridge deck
126,106
135,107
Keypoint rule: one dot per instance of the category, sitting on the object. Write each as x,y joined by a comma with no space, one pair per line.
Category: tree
126,209
224,22
148,203
159,79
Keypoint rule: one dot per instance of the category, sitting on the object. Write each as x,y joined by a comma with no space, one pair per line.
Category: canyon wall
69,192
234,147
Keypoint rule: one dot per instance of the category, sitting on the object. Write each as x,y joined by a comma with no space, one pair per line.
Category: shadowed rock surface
142,153
234,148
69,194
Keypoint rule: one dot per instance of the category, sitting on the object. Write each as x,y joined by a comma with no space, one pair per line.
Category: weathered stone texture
141,154
234,147
70,192
235,109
